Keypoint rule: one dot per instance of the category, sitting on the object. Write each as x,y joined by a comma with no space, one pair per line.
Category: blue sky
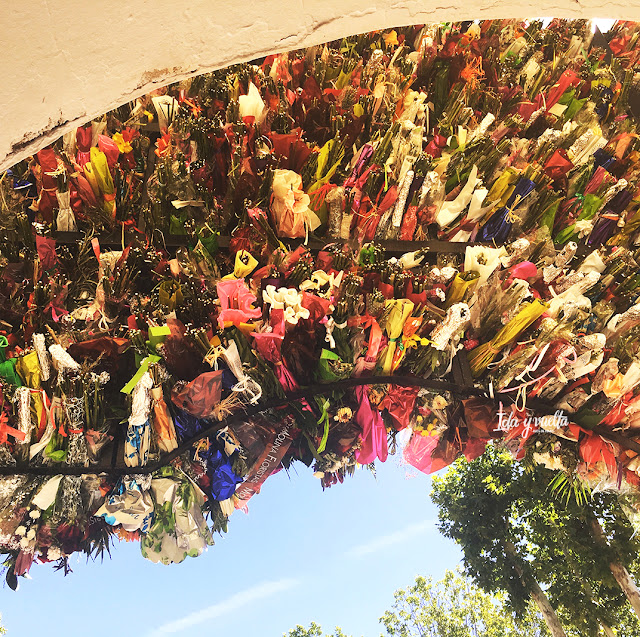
300,555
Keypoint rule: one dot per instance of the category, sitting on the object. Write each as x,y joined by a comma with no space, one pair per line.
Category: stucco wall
64,63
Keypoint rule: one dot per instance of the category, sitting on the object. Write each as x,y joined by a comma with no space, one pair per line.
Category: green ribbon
590,204
210,243
367,255
144,366
324,371
324,418
8,367
157,334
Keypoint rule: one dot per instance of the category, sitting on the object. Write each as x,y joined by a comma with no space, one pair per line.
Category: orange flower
391,38
472,73
163,145
128,536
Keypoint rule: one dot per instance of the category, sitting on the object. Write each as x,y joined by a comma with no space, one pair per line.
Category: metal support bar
461,390
114,239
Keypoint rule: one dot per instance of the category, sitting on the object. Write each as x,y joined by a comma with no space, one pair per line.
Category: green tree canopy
520,537
456,607
452,607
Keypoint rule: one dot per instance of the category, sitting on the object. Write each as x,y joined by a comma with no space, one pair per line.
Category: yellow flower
391,39
123,145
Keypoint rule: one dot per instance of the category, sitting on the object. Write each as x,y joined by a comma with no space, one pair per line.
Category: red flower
163,145
23,563
129,134
69,537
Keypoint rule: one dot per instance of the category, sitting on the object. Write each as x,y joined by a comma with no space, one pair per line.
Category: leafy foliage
452,607
492,502
456,607
313,631
475,503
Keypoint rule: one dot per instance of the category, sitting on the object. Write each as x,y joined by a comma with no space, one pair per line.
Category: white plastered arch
64,63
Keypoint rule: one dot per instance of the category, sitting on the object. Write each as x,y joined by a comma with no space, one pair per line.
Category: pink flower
236,300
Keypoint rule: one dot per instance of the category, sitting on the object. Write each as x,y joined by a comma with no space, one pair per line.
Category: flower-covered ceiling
422,238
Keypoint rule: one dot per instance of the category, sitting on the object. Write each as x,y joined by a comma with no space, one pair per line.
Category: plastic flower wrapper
462,287
335,202
366,362
399,403
271,441
110,149
47,201
221,480
98,174
74,409
161,418
246,386
434,355
498,227
201,396
483,355
467,226
290,206
179,528
607,222
622,323
409,330
269,345
524,363
65,220
332,368
236,301
130,504
418,451
138,438
83,142
326,163
583,208
8,366
451,210
374,433
396,312
496,301
574,293
16,493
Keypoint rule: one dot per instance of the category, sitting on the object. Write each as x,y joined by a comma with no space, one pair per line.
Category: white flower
482,260
53,553
35,514
31,534
24,543
290,205
550,462
288,299
21,530
583,228
252,104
